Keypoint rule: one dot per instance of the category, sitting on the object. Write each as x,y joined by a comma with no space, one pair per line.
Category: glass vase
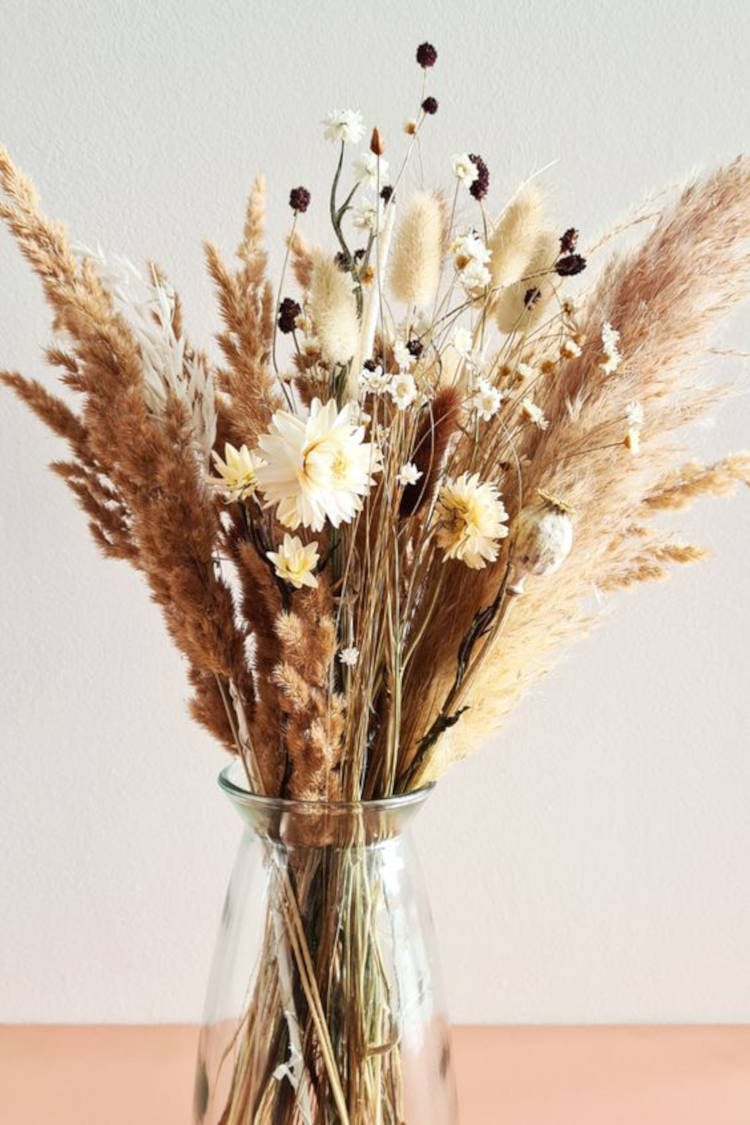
323,1003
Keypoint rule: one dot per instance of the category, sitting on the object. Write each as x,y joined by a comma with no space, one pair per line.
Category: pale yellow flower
471,520
238,471
294,562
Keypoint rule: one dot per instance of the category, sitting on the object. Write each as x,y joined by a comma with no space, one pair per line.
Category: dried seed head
481,184
426,55
570,265
544,538
376,142
289,310
430,105
299,199
569,241
386,193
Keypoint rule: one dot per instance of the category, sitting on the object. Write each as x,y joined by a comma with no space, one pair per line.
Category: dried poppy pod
544,538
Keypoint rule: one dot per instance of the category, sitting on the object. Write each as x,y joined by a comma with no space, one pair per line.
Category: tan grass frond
513,241
333,310
416,254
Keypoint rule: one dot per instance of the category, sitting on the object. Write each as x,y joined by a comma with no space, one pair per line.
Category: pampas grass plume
333,310
417,252
513,240
511,312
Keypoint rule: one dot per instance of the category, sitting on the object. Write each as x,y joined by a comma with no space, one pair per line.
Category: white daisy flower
487,400
367,215
369,170
344,125
374,382
570,349
349,656
294,562
469,247
471,520
475,278
316,468
464,168
402,356
408,473
403,389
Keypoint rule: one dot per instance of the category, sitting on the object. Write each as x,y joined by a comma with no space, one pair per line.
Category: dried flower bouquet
370,525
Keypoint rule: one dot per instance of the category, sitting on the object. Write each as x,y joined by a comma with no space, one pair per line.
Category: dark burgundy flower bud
430,105
299,199
386,193
370,365
531,296
570,265
569,241
414,347
289,310
481,184
426,55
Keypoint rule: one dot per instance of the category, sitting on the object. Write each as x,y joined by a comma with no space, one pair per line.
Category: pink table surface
507,1076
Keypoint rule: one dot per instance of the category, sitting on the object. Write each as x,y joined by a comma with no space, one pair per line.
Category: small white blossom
469,247
464,168
534,413
570,349
610,342
408,473
367,215
403,389
294,562
349,656
487,400
344,125
369,170
402,356
475,278
374,382
463,343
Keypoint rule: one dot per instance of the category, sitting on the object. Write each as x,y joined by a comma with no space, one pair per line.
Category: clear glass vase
323,1003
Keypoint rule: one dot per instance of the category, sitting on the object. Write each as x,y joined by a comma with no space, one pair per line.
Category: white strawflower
471,520
534,413
403,389
487,400
544,538
344,125
610,342
408,473
349,656
367,215
469,247
374,382
464,168
475,278
238,471
369,170
294,562
317,468
402,355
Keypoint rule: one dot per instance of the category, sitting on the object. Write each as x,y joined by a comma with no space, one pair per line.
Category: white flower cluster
470,257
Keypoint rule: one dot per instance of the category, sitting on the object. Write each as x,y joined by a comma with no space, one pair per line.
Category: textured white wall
591,864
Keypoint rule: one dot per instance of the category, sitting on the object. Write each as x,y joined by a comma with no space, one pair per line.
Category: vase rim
243,795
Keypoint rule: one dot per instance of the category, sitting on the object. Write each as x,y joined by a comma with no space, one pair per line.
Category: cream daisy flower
344,125
402,355
238,471
367,215
369,170
374,382
464,168
349,656
469,247
316,468
403,389
487,400
471,520
475,277
294,562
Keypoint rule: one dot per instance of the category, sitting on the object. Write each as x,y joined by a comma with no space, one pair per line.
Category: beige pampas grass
417,252
333,310
513,240
521,306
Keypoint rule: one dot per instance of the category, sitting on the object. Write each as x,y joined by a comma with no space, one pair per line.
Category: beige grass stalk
514,238
664,298
333,309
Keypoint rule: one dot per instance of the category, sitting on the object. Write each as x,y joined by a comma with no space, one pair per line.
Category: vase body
323,1004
